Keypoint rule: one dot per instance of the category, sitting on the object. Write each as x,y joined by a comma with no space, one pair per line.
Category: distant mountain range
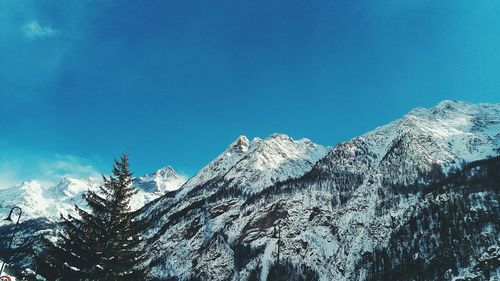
406,201
50,202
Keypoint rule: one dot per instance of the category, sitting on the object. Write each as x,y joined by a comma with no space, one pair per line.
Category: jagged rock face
334,218
246,167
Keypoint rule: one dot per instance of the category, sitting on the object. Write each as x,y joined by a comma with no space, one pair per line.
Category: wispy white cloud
34,30
48,170
8,178
68,166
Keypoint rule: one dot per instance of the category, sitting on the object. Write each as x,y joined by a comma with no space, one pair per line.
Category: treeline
455,226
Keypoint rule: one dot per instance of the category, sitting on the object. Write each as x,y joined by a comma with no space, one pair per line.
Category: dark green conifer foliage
103,244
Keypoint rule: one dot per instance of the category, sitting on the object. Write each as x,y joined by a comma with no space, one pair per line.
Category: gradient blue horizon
174,82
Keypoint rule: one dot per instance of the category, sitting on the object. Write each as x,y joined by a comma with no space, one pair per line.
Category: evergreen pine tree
103,243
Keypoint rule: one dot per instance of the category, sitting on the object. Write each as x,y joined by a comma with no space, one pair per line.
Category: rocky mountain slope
252,165
395,203
336,217
242,160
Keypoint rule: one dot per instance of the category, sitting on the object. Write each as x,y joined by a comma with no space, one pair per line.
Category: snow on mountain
449,131
50,202
356,211
28,195
276,158
221,164
248,166
244,167
163,180
334,218
37,201
253,165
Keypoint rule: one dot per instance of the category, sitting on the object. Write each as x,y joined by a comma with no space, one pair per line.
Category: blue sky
174,82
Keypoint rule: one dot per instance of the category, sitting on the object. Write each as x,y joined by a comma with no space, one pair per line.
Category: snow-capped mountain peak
445,135
163,180
70,187
167,171
254,165
242,144
276,158
221,164
30,196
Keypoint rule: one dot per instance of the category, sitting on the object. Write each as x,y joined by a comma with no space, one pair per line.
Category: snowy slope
252,165
245,166
352,212
30,196
452,130
276,158
219,226
248,166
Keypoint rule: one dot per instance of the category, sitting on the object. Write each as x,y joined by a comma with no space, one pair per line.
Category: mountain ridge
345,184
339,208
